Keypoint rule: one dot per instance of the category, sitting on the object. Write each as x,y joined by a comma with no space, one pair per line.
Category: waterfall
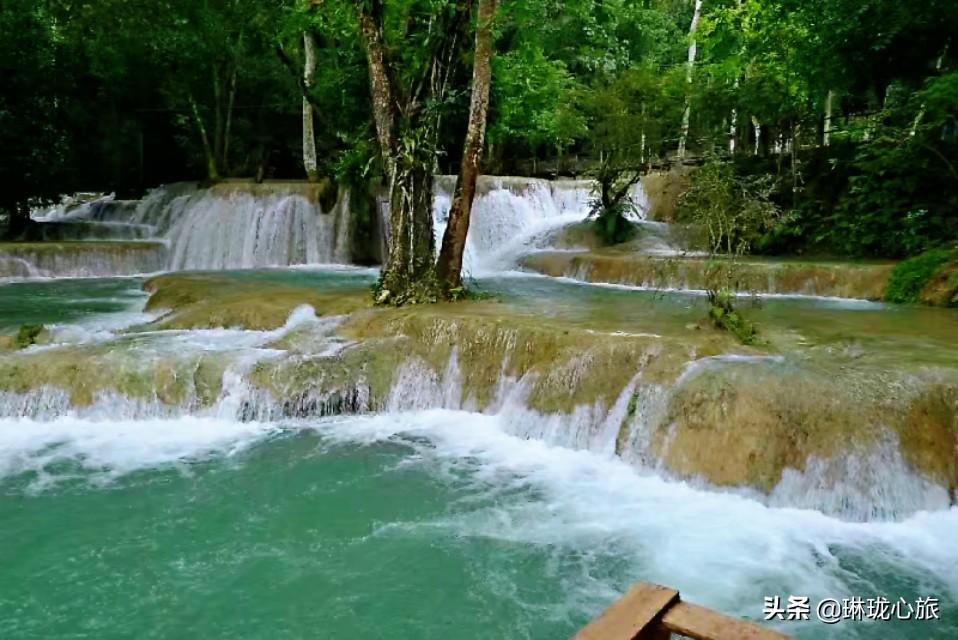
870,485
81,259
183,227
243,230
861,486
508,213
15,267
103,219
657,420
238,225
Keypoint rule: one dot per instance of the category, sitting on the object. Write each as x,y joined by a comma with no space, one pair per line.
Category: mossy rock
724,316
768,419
29,335
562,366
86,372
210,301
77,247
941,290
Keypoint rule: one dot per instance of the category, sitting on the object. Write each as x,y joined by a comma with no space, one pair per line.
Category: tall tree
693,49
32,136
449,266
309,133
406,95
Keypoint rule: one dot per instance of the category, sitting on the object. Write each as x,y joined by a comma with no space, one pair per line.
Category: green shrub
28,335
892,193
734,210
910,276
724,316
611,225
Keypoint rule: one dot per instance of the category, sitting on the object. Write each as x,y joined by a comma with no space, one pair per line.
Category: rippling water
423,525
435,524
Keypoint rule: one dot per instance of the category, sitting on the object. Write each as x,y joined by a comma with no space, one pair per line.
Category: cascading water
181,227
81,260
238,230
331,472
16,267
177,463
509,213
242,226
103,219
172,373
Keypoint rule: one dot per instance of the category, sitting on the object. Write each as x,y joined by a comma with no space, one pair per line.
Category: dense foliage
734,211
911,277
32,139
846,107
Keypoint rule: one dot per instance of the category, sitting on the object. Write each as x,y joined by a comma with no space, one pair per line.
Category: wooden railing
650,612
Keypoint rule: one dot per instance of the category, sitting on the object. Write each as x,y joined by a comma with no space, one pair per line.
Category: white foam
721,549
331,267
241,231
511,213
102,327
108,449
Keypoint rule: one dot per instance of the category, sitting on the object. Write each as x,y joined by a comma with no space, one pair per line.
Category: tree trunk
829,106
218,120
921,111
693,50
228,127
224,159
384,106
211,171
796,131
407,275
733,118
309,135
758,135
449,266
733,122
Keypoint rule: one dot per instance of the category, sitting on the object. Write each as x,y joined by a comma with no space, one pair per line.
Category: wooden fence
650,612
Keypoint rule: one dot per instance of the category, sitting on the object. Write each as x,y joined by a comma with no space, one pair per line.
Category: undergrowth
910,276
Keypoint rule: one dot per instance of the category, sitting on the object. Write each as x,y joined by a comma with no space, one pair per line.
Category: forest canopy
850,106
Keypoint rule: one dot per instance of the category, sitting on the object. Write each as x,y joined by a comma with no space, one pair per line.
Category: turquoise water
429,525
294,537
65,301
435,524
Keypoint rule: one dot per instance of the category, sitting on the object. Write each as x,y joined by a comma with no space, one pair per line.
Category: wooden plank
700,623
640,609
